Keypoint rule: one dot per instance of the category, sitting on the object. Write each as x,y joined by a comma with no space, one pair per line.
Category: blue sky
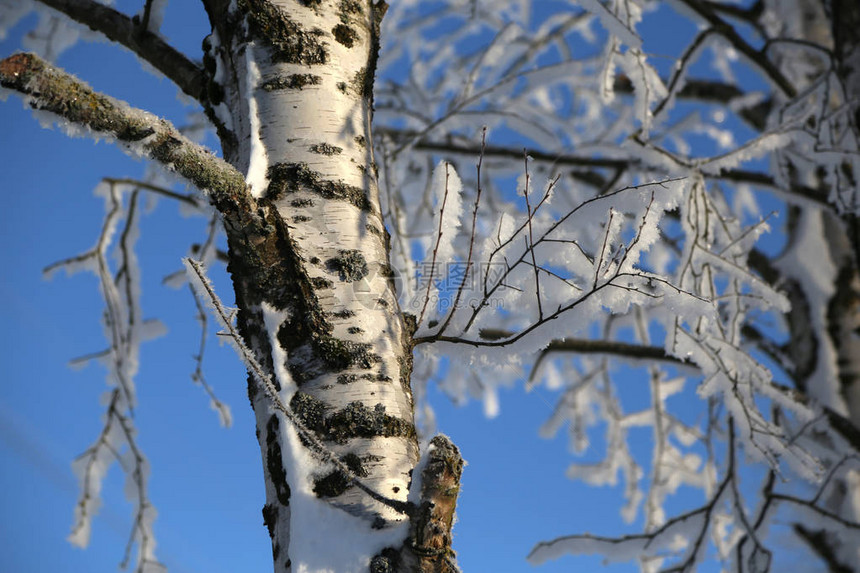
206,481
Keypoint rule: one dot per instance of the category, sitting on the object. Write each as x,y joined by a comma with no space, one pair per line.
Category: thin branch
563,159
187,198
469,261
757,57
119,28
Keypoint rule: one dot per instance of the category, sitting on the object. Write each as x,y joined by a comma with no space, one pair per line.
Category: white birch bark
322,312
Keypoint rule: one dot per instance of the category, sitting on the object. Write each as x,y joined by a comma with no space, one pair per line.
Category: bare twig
119,28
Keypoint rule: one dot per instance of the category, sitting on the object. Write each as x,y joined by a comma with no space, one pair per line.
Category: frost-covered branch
710,311
77,106
125,330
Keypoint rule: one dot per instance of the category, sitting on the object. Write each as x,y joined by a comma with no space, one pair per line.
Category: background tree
631,236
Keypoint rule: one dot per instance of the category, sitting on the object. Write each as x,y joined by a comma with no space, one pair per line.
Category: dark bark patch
371,229
310,411
405,371
326,149
350,265
355,330
410,322
388,561
300,218
332,485
342,86
359,421
321,282
337,482
343,314
349,8
362,83
291,82
289,41
292,177
342,354
270,518
346,378
354,421
379,377
275,462
214,90
344,35
304,202
360,141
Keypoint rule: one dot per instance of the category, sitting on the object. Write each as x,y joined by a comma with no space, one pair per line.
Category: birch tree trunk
291,83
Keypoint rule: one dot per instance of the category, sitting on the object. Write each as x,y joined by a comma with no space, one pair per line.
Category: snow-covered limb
125,329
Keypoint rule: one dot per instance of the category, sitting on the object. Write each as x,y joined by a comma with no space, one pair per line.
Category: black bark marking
289,41
406,370
341,354
354,421
310,411
380,377
350,265
377,13
344,35
346,8
298,203
371,229
337,482
388,561
270,518
291,82
326,149
292,177
275,463
320,282
357,420
214,90
362,82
